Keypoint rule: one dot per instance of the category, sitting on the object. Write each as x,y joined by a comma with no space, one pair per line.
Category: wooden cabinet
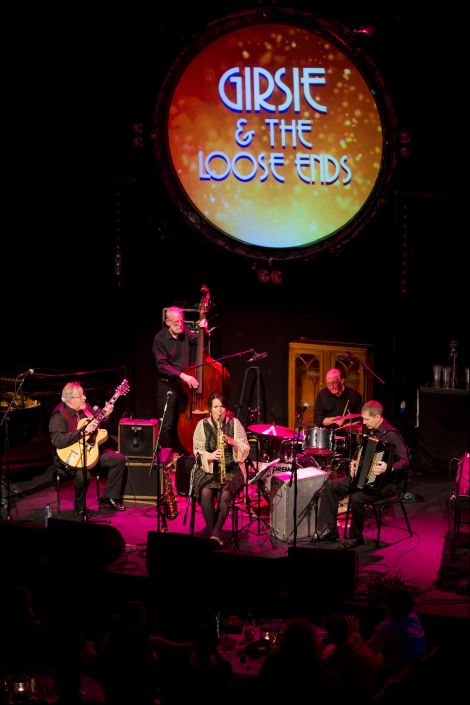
310,360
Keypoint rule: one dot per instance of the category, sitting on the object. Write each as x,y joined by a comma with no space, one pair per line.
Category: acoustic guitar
72,455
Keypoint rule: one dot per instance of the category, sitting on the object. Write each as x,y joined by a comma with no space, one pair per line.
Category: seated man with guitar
76,436
377,469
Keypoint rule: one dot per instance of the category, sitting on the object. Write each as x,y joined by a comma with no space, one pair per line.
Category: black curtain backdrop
97,248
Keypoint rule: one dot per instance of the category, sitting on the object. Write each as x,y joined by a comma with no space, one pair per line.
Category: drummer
336,404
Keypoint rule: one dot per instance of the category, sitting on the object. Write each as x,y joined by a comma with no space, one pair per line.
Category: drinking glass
446,377
437,375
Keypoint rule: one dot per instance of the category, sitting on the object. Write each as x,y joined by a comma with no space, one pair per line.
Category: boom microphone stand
85,516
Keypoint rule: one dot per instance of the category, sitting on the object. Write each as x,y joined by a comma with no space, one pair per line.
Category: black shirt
172,355
328,404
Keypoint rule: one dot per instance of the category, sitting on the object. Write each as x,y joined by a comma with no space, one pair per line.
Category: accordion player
372,450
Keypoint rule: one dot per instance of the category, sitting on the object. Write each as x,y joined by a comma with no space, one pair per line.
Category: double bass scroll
211,376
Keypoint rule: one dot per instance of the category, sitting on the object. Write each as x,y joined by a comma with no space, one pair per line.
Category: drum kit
319,447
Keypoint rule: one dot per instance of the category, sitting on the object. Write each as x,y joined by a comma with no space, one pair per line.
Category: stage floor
423,561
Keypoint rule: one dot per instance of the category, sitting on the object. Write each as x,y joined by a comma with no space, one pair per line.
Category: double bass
211,376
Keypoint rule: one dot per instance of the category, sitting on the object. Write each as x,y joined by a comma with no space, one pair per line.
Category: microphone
26,374
169,394
304,408
257,356
348,359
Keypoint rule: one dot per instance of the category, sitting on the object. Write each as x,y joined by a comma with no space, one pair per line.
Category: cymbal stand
314,502
262,524
293,477
258,478
20,380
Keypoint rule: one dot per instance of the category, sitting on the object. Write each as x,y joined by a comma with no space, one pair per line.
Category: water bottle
249,630
47,513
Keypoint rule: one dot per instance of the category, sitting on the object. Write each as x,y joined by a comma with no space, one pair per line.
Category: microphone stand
6,422
352,358
84,515
161,518
293,476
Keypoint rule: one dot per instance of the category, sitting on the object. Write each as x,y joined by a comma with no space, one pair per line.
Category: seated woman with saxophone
220,447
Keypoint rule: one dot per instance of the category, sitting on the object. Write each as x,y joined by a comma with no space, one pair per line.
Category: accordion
372,450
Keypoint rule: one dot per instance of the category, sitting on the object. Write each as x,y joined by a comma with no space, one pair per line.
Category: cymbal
271,430
352,428
351,416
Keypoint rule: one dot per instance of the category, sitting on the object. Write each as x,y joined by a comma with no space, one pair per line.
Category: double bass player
174,348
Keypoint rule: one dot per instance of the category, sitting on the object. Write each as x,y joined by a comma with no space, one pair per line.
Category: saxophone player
221,447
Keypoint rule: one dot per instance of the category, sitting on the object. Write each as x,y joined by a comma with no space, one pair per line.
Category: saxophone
169,502
220,446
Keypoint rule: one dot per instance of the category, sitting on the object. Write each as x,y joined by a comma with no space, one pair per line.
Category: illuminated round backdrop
274,136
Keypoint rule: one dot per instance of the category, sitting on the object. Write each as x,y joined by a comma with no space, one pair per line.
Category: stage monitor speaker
137,437
22,542
174,558
81,543
309,481
320,574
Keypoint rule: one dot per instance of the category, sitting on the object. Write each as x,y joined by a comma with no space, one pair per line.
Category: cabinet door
308,365
307,371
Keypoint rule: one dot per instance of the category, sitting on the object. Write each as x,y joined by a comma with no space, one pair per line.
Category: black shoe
352,543
328,535
113,503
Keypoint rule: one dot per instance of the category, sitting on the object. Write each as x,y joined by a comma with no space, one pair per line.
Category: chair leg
346,520
378,511
97,480
405,515
193,515
57,492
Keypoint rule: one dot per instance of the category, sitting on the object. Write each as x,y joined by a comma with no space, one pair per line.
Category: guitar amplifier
137,438
309,480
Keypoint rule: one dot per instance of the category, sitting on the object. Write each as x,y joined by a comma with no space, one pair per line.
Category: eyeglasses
79,396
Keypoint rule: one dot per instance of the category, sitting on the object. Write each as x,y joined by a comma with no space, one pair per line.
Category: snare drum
319,441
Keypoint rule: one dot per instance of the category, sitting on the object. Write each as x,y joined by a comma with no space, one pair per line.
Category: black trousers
176,405
111,464
335,492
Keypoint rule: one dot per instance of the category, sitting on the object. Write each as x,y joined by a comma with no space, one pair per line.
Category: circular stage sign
275,137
